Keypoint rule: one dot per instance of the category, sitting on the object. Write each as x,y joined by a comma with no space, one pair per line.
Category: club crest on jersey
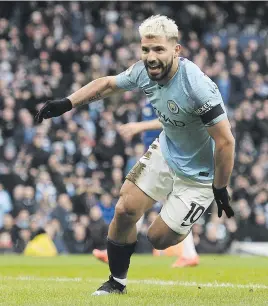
173,107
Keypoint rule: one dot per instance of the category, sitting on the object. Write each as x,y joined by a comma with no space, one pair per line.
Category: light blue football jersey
186,105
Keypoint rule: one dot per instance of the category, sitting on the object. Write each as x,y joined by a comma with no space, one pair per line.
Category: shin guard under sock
119,257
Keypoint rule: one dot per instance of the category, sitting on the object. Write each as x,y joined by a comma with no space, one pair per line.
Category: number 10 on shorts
193,215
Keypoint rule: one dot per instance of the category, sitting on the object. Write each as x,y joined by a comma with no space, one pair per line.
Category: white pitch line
144,282
36,278
195,284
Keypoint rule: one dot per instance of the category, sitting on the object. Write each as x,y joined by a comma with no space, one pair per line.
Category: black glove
222,199
53,108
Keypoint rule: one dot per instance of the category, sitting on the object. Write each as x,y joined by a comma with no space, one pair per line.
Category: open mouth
154,69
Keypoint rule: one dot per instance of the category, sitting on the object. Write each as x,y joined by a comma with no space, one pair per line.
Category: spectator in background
107,207
45,185
25,134
53,229
6,243
77,22
8,223
224,84
79,242
5,204
217,236
98,228
63,212
29,201
21,233
8,158
23,237
18,193
244,226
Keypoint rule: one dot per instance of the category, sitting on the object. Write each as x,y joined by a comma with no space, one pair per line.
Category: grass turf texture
70,280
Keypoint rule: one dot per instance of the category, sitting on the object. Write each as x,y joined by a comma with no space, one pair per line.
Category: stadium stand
65,175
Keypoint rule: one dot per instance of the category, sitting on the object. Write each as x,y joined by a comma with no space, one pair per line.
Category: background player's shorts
184,200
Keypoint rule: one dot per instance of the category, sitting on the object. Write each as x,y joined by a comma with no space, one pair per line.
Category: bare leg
122,235
131,206
162,236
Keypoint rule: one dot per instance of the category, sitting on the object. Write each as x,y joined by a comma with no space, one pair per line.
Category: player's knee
125,208
123,211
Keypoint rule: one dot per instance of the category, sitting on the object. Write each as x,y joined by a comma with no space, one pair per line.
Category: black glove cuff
68,104
218,191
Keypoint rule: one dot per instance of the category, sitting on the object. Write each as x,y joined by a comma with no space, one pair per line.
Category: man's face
159,57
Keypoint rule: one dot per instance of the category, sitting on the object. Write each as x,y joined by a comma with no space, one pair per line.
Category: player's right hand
222,199
53,108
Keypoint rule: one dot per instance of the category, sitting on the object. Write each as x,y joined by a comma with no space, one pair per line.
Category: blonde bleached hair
159,25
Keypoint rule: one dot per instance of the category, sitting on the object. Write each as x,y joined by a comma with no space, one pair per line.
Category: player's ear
177,50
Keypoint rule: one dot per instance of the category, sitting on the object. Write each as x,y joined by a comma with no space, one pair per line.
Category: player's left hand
222,199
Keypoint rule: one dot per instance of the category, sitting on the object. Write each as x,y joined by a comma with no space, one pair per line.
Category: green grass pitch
70,280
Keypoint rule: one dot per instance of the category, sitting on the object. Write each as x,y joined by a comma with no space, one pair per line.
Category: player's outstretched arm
129,130
95,90
224,162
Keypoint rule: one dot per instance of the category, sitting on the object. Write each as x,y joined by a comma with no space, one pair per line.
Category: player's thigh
152,175
186,204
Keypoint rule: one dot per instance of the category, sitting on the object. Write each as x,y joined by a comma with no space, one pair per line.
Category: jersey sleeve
131,78
204,93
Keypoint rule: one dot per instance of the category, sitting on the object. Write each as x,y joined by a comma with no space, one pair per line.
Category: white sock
139,223
122,281
189,250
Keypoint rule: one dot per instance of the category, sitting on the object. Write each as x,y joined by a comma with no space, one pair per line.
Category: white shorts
184,200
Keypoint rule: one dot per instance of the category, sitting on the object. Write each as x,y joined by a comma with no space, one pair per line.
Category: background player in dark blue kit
149,136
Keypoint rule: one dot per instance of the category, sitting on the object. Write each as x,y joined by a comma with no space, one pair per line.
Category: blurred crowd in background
65,174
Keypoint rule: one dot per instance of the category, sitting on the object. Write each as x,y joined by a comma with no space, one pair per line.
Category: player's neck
171,74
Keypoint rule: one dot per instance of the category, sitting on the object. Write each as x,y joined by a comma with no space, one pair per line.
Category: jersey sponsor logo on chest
166,119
